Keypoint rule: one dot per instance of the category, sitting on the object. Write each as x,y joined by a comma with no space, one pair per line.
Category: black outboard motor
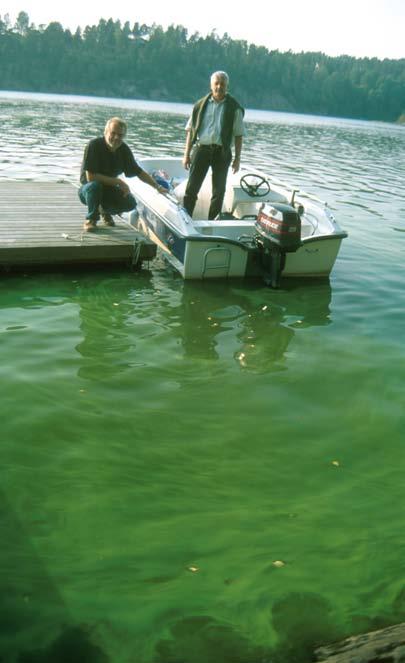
278,231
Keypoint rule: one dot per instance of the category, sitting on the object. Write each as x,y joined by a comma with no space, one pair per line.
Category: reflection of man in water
105,330
105,158
269,328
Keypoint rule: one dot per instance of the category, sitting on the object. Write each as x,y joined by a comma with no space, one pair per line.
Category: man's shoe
89,226
108,220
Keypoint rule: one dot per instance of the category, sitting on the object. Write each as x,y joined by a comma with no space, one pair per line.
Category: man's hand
187,151
236,164
124,188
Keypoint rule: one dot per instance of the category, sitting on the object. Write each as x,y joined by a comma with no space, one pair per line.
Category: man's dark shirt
99,159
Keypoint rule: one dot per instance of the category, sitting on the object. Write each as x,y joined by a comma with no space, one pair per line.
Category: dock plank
42,223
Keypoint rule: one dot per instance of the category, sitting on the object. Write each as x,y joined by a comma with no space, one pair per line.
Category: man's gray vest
231,105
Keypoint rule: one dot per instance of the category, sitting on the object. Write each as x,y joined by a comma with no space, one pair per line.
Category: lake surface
164,443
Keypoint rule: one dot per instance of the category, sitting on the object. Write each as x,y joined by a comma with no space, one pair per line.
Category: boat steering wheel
254,185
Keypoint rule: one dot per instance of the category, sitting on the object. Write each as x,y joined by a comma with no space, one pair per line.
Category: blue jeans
111,199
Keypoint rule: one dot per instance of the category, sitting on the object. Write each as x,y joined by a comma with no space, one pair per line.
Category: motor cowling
278,231
280,224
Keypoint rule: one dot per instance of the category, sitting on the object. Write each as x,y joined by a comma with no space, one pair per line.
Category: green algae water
204,472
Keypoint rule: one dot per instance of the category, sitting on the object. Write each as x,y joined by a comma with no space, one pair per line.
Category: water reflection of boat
265,229
250,324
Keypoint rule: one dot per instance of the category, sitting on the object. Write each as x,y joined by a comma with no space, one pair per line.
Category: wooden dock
41,223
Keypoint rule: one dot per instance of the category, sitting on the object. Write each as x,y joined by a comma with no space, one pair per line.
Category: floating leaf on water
264,308
115,304
193,569
278,563
335,463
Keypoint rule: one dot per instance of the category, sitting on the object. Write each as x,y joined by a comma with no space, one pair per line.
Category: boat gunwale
200,237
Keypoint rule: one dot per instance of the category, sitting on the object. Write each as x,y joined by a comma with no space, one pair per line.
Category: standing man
215,124
101,189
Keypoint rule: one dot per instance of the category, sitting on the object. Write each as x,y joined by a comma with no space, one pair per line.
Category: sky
361,28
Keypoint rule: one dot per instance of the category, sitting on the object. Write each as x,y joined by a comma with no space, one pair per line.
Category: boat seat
180,190
233,229
204,197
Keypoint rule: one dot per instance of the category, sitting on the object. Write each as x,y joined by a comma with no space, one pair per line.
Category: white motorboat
266,228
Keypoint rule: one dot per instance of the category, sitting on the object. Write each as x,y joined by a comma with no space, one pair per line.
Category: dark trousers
203,157
94,194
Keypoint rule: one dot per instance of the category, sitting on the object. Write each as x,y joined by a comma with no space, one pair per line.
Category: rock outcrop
384,646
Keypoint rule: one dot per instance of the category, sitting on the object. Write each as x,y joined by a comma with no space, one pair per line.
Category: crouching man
105,158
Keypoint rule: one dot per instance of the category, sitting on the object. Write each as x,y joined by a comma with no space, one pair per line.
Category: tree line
148,62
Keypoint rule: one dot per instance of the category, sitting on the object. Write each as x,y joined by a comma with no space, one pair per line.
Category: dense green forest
148,62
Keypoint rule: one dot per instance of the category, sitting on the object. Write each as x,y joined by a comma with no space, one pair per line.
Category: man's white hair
220,74
116,120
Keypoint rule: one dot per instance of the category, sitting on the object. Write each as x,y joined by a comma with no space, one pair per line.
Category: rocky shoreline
386,645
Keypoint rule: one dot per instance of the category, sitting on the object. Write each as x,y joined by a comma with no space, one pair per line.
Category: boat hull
200,257
314,259
195,257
